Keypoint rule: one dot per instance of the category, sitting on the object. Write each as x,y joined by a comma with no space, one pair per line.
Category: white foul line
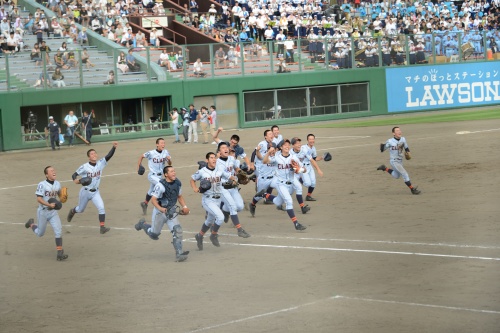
482,131
260,315
416,304
295,247
340,297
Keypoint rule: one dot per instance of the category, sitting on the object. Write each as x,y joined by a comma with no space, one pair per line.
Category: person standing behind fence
205,123
185,124
213,121
53,130
174,115
87,124
193,125
71,121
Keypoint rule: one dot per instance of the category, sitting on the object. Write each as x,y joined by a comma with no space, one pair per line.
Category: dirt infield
374,258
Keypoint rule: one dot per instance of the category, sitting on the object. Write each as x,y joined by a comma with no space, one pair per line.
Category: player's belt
285,182
91,189
270,177
213,196
307,163
158,174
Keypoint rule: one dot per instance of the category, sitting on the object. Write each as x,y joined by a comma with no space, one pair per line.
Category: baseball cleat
268,202
29,223
243,233
138,226
261,193
70,214
215,239
199,241
226,216
144,207
280,207
181,257
104,230
382,167
415,190
309,198
252,209
299,226
61,256
305,209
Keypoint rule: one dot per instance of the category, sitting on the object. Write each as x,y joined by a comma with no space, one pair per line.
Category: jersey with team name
216,176
283,169
93,171
156,160
46,190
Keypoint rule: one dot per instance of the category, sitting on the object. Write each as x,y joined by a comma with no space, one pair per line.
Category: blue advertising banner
442,86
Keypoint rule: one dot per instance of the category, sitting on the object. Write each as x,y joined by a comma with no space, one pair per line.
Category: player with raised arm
157,158
211,179
166,193
91,173
398,148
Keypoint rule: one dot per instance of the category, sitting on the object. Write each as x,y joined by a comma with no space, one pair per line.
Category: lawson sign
442,86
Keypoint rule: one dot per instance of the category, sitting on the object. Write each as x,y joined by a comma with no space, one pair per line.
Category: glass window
354,97
323,100
292,103
259,105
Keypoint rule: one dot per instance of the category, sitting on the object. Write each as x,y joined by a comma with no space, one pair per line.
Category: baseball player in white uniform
49,188
284,179
211,198
266,176
234,145
156,161
309,158
396,145
92,169
166,193
262,148
231,198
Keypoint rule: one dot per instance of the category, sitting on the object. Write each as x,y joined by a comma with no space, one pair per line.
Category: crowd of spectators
372,28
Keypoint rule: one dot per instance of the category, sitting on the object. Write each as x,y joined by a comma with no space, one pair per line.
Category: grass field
402,119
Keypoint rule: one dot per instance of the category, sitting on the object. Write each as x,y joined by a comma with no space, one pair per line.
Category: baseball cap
295,140
183,109
51,117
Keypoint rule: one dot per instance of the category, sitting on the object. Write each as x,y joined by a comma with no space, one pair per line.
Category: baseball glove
85,181
54,201
63,194
201,164
382,147
230,184
205,185
327,157
407,155
242,177
141,170
295,166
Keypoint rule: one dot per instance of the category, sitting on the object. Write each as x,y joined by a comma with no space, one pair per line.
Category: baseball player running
266,175
286,166
211,200
231,198
92,172
48,189
156,161
396,145
308,156
166,193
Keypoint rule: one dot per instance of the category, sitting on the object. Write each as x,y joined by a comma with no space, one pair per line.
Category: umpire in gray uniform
53,130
